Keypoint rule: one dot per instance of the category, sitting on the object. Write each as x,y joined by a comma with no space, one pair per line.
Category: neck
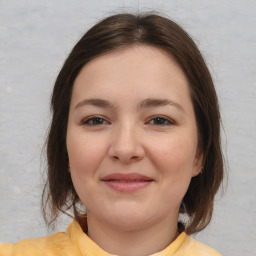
141,242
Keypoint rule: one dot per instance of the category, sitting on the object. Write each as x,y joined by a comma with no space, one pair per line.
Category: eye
95,120
160,120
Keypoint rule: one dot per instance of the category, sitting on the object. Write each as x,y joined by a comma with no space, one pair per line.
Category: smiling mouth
127,183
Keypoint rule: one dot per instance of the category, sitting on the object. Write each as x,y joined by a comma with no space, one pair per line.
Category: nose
126,145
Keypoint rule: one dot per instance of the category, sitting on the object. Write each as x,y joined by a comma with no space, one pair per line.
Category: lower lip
127,187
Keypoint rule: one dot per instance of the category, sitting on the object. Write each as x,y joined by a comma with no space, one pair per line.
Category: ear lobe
198,163
68,167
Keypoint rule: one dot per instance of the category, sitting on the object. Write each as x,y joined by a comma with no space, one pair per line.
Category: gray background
35,38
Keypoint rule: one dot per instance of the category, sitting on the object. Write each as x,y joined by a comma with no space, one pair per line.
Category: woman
135,138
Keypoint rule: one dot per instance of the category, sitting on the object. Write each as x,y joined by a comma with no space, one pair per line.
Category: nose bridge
126,144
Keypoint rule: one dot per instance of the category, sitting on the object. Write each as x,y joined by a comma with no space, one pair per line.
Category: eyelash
90,121
93,119
167,121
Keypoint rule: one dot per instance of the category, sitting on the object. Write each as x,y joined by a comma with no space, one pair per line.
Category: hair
116,32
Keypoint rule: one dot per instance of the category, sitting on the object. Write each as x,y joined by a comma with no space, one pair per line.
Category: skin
132,135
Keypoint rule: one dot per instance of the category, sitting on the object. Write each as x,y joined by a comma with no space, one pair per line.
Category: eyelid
170,120
85,121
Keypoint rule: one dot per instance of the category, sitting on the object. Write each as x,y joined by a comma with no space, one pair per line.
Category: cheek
173,156
167,154
85,153
174,166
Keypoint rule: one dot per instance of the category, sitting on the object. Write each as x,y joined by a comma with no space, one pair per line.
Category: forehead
140,70
132,58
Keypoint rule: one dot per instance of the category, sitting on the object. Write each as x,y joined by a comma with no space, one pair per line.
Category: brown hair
122,30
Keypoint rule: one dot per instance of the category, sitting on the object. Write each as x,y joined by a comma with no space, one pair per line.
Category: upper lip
126,177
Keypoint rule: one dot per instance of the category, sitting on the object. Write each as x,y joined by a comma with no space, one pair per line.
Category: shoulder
58,244
191,247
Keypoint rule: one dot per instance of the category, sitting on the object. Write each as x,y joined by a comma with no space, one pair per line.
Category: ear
198,162
68,166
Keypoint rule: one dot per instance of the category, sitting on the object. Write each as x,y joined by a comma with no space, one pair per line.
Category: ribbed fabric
76,243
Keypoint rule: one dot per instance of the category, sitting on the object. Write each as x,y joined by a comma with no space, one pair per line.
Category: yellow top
76,243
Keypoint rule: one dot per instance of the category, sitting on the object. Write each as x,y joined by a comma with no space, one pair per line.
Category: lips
127,182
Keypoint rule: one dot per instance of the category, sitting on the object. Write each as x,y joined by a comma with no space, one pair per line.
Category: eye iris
159,120
97,121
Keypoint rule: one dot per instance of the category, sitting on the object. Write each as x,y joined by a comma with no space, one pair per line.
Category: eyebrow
95,102
153,102
147,103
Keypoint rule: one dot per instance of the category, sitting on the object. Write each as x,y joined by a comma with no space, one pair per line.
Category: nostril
125,159
125,151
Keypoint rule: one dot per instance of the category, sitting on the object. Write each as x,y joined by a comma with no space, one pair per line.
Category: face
132,137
